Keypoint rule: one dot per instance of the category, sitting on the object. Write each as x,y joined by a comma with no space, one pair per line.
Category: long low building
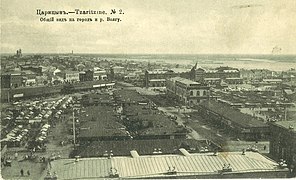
240,125
144,147
35,91
187,165
146,122
127,96
100,123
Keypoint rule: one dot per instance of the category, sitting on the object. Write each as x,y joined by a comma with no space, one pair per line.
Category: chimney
134,154
184,152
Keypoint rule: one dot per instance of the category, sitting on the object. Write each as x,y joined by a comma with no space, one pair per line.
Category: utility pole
74,127
8,95
285,113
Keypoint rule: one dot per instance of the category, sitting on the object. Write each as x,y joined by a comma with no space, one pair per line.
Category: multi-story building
69,76
117,72
157,78
134,76
215,76
11,80
29,77
256,74
188,91
283,141
87,75
99,74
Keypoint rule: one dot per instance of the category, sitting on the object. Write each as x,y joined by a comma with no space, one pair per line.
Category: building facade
69,76
283,141
188,92
99,74
12,80
157,78
87,75
29,77
237,124
215,76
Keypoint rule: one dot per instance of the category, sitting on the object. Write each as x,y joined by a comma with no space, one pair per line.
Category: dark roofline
234,116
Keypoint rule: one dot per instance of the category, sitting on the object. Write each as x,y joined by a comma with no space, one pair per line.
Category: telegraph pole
285,113
74,127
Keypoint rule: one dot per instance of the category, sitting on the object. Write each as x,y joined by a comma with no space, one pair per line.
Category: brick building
283,141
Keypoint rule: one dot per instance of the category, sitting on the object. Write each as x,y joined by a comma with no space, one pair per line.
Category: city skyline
153,27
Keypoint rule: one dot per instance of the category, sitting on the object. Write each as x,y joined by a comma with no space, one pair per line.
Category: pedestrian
49,163
264,147
28,173
22,172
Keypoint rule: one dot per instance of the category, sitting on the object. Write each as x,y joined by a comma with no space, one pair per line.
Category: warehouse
144,147
187,165
100,123
240,125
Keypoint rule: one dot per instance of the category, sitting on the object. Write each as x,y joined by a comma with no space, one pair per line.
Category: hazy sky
154,26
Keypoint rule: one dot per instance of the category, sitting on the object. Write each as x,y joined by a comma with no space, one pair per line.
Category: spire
194,67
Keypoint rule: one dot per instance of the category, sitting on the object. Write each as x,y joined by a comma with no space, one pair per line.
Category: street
200,129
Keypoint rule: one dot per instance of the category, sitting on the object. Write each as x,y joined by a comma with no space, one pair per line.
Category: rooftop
157,80
180,70
187,81
175,78
99,121
184,81
28,72
96,98
143,147
157,72
233,115
70,72
11,73
291,125
162,125
160,165
129,96
272,80
212,79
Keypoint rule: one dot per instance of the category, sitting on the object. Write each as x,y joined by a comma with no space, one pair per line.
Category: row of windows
199,93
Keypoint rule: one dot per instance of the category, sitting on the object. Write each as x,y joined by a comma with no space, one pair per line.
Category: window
191,93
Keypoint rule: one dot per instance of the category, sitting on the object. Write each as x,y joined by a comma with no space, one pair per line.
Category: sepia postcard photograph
148,89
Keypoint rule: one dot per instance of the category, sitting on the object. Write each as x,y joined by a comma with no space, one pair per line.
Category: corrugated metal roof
85,168
160,165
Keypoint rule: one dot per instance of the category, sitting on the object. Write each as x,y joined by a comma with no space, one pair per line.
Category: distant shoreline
241,61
